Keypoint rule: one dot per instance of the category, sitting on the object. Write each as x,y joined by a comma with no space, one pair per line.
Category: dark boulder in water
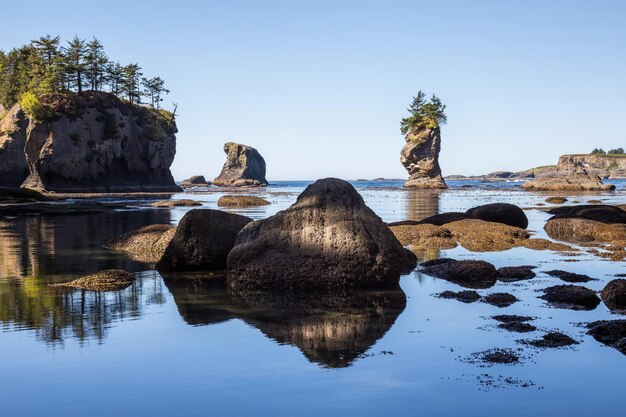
552,340
202,241
329,239
596,212
466,273
573,297
516,273
614,295
504,213
610,332
462,296
500,299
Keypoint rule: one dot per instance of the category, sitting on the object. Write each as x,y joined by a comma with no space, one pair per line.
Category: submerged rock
610,332
614,295
437,261
511,318
202,241
107,280
146,244
466,273
569,276
241,201
420,157
89,142
573,297
328,239
244,166
176,203
501,356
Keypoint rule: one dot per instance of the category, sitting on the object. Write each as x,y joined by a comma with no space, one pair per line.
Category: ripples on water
185,346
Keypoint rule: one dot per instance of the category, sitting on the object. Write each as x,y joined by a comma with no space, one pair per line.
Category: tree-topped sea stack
74,122
420,155
244,166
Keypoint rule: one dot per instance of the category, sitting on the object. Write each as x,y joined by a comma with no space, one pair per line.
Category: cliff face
420,157
244,166
88,142
604,166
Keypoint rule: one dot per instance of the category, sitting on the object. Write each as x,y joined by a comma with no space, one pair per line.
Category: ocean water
183,346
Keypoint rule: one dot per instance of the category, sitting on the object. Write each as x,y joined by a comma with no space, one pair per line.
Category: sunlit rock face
332,330
244,166
329,239
91,142
420,157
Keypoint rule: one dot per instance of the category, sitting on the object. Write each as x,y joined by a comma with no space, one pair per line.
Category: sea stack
420,157
244,167
88,142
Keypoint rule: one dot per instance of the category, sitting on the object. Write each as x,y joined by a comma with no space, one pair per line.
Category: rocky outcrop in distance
420,157
88,142
195,181
244,166
603,166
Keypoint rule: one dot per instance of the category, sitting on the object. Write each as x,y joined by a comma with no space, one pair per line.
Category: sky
319,87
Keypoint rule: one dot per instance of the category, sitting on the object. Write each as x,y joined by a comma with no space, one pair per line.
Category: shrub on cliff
33,108
617,151
424,114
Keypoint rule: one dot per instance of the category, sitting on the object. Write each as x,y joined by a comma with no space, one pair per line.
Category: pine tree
154,88
131,83
75,67
96,63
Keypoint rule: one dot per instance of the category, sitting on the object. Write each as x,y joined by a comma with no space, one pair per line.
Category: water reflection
56,314
421,204
331,330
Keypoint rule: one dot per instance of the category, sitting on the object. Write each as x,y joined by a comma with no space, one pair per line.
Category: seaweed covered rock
241,201
466,273
573,297
244,166
328,239
596,212
88,142
146,244
202,241
582,230
107,280
610,332
614,294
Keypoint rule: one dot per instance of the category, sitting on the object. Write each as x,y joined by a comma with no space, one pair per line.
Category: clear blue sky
319,87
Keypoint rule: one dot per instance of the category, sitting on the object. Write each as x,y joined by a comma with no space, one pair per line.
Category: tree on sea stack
421,130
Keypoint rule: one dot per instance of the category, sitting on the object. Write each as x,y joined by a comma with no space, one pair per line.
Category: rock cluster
244,166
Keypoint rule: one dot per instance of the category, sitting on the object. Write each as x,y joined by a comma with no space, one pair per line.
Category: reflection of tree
58,313
331,330
38,250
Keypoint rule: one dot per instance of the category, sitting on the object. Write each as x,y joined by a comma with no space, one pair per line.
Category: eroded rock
420,157
244,166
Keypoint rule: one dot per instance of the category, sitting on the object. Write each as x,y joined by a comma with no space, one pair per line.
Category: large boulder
610,332
597,212
420,157
504,213
202,241
244,166
579,181
329,239
88,142
573,297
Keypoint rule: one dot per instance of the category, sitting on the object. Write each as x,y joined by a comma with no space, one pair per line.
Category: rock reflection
420,204
330,330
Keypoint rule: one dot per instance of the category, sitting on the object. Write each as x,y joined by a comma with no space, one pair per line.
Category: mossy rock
176,203
556,200
241,201
107,280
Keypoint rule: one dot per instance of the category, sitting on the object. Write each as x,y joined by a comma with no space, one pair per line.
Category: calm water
183,346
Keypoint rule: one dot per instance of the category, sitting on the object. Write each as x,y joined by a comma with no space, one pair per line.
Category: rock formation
329,239
580,181
202,241
195,181
88,142
420,157
145,244
603,166
244,166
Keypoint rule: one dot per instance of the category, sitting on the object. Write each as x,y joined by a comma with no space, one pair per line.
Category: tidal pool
182,345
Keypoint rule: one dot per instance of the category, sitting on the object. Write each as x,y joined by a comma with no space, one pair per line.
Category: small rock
518,327
614,294
107,280
511,318
176,203
556,200
609,332
500,299
463,296
569,276
516,273
553,340
241,201
502,356
466,273
573,297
